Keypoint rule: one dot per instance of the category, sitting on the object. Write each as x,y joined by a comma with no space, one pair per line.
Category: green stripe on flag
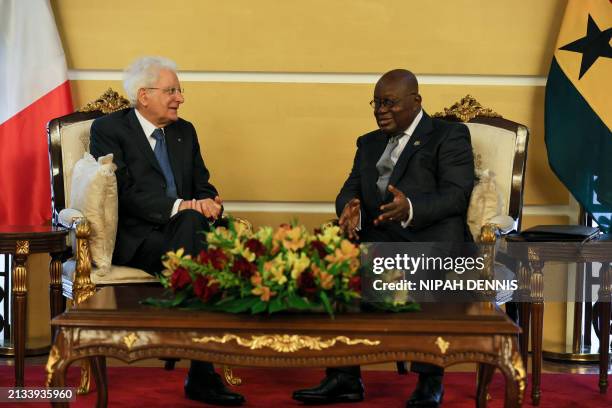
579,146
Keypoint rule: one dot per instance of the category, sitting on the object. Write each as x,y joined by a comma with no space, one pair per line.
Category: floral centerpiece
266,271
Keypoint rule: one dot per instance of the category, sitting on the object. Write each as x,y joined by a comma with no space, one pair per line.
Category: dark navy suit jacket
143,204
435,171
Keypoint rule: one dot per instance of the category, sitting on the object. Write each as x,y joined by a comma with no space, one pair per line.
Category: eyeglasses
385,102
170,91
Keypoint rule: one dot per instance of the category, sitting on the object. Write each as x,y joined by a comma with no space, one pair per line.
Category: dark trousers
420,368
184,230
375,235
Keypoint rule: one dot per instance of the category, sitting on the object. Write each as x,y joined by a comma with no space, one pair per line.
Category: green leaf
297,302
326,304
397,308
259,307
179,298
237,305
226,300
276,305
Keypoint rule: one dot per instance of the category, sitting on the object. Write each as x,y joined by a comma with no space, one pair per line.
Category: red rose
306,283
204,289
217,257
354,283
243,268
319,247
255,246
203,257
180,278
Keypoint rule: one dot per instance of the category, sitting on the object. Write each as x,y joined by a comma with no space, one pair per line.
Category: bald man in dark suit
411,181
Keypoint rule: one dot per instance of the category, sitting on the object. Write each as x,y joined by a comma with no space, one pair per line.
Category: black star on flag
595,44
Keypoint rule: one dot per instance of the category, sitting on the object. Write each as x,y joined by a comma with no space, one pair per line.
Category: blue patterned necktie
385,165
161,153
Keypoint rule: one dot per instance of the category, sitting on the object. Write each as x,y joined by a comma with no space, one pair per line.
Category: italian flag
579,107
34,89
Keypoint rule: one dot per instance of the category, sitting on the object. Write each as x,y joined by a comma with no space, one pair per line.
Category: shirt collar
147,126
408,132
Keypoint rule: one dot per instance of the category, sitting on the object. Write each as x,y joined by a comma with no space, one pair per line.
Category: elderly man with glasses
165,197
411,181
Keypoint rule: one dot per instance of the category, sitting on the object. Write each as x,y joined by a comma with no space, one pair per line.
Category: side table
20,241
533,256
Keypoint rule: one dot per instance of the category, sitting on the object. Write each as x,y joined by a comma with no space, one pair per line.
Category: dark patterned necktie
161,153
385,165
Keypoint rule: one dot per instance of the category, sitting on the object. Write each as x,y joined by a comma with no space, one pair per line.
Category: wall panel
433,37
296,142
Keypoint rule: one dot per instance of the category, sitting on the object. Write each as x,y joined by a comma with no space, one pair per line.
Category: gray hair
143,73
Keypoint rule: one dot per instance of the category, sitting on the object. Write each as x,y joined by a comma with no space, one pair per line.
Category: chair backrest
500,145
69,140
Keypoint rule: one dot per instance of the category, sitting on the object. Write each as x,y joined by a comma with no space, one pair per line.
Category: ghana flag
579,107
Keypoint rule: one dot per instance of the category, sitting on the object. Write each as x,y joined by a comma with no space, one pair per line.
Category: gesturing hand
349,219
396,210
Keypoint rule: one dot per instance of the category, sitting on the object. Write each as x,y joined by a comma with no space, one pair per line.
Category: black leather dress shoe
428,392
211,390
339,387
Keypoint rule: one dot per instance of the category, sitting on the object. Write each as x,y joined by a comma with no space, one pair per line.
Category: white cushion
75,142
114,275
94,193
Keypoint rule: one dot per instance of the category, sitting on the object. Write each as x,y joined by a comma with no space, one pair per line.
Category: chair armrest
80,231
68,216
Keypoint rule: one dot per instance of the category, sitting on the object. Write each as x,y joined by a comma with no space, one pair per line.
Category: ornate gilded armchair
500,152
500,155
68,141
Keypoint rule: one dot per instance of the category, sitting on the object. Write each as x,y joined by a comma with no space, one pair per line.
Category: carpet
155,387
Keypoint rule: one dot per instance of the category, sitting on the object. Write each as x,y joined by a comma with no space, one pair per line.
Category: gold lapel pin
417,143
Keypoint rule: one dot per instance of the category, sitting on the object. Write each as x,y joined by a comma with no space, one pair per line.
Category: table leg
99,372
524,319
524,305
537,321
512,398
485,375
58,379
55,292
605,296
20,302
511,366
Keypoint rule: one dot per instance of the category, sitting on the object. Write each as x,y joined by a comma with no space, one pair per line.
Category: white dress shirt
395,154
148,129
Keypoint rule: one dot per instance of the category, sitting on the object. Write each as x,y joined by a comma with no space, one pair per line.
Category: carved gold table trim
285,343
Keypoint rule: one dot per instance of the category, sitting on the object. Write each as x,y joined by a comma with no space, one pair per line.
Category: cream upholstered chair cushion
75,144
494,151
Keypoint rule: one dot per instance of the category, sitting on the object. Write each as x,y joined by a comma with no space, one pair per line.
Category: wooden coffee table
112,323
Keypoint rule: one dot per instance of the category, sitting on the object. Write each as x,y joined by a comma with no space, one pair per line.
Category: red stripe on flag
25,186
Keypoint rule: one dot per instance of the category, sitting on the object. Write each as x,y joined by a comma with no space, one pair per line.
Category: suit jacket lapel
418,139
175,144
141,141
